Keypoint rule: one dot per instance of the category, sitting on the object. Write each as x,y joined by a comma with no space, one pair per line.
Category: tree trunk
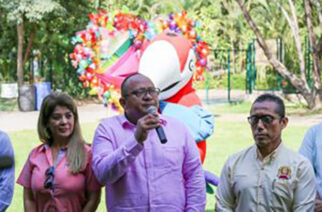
319,11
296,34
315,52
301,85
25,92
314,100
20,31
27,52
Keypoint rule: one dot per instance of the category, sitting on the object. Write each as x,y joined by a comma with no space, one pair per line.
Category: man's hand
6,161
144,124
318,204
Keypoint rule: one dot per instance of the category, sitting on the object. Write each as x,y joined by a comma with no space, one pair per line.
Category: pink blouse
69,190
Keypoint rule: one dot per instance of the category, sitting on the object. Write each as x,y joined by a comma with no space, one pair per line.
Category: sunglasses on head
266,119
49,181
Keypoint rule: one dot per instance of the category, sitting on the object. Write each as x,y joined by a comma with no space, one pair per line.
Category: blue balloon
80,71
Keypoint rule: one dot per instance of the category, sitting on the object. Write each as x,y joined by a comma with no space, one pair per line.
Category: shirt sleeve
225,199
195,183
6,151
24,178
3,206
91,182
111,162
199,121
7,173
305,191
308,148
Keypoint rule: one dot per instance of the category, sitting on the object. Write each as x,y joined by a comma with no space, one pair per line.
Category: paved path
89,113
15,120
221,96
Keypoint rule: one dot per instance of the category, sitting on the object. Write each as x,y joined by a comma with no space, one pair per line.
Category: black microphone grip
161,135
163,139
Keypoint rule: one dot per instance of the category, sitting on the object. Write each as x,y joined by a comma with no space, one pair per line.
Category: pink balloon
203,61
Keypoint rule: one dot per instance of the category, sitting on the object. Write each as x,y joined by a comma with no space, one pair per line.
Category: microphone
160,132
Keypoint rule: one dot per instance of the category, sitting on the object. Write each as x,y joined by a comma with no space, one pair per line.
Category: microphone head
152,109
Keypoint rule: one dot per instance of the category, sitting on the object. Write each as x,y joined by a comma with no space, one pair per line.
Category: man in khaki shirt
267,176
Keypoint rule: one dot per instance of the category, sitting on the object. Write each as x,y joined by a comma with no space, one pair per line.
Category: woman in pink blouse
58,175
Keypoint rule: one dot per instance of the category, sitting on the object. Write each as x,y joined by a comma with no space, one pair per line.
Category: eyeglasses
142,92
266,119
49,181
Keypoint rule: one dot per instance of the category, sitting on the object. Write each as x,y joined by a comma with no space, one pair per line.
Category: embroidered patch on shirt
284,173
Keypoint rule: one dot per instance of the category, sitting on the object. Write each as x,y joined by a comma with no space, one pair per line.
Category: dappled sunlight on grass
292,109
238,107
231,135
8,104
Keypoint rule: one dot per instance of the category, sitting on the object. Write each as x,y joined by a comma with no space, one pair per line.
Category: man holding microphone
145,169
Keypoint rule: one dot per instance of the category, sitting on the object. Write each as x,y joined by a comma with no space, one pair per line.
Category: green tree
22,12
54,42
27,12
299,21
48,26
8,42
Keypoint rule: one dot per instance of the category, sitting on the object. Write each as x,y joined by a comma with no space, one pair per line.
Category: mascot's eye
191,65
172,34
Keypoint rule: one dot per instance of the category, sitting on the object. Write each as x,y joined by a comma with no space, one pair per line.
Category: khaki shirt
282,181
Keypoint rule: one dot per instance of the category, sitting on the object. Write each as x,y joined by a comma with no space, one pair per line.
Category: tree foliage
52,24
48,26
32,10
301,23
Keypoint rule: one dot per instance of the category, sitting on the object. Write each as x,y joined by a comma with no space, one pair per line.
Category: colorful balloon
99,47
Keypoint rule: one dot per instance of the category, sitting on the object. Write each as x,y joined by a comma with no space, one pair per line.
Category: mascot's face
169,62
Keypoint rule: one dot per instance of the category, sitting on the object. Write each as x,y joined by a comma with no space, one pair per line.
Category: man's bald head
127,81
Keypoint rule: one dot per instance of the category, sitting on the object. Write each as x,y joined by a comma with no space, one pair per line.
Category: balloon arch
112,38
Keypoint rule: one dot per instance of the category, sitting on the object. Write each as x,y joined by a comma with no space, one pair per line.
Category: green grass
292,109
8,104
23,142
230,136
238,107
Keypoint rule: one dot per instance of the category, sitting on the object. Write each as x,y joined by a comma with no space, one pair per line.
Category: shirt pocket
167,159
283,193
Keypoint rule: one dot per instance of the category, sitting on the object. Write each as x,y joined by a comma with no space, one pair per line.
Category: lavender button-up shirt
149,177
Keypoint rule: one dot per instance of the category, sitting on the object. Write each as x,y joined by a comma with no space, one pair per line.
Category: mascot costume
104,58
169,62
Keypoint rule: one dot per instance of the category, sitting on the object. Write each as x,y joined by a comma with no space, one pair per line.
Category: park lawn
230,136
8,104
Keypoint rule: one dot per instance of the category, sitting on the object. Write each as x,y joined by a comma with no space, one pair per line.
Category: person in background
141,173
7,171
58,174
311,148
267,176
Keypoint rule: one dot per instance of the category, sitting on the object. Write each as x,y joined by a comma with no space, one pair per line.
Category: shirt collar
127,124
271,156
46,146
